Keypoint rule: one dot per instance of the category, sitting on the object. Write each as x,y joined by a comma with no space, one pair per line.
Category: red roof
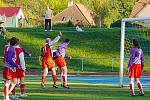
9,11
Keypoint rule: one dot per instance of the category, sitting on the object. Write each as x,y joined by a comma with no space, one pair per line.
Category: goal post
122,44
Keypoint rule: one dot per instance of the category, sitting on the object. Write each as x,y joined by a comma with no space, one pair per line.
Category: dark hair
13,41
67,40
17,41
136,43
7,41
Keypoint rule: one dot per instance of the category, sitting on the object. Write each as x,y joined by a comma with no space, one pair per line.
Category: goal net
134,28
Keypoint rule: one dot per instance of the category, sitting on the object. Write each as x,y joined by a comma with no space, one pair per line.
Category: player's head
136,43
48,40
17,41
13,41
8,42
47,8
67,41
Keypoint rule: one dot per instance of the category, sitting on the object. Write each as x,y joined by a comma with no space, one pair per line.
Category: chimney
70,3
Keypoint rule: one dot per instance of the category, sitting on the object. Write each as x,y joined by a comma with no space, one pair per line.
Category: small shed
12,16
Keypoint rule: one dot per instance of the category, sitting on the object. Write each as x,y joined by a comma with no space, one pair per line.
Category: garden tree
106,11
2,3
100,8
109,11
119,9
126,7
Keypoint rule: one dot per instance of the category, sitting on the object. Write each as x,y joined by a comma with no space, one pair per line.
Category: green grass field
92,43
78,91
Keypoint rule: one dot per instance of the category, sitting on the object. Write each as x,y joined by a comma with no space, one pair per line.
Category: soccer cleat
132,95
43,85
55,86
17,85
65,86
23,95
14,97
140,94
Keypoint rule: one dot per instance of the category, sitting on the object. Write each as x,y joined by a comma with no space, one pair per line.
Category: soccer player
47,60
135,67
9,73
20,71
59,58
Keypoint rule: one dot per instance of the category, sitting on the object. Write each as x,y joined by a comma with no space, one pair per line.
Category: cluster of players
14,65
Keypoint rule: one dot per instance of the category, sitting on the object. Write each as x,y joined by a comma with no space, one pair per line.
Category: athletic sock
22,88
64,79
43,79
11,88
6,87
140,87
14,91
54,79
132,87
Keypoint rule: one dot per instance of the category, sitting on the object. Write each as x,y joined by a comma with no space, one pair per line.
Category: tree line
105,12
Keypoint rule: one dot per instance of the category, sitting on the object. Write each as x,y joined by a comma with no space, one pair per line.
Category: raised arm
26,51
56,39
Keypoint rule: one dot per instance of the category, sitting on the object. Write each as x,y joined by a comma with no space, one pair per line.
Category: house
141,9
77,14
12,16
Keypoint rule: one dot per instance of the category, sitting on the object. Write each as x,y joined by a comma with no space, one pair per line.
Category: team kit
15,67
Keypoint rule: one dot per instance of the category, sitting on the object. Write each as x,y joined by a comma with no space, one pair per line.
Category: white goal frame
123,23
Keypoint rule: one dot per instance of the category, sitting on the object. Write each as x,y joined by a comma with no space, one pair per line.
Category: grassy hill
92,43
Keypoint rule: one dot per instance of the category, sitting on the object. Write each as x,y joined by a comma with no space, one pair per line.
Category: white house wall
20,14
145,11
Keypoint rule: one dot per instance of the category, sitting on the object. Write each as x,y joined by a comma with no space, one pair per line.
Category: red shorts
136,71
9,74
20,73
48,63
60,62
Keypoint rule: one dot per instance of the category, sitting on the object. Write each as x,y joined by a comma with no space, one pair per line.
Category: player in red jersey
135,67
47,60
9,73
20,71
59,58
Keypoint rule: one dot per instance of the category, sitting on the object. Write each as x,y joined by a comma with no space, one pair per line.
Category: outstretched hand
128,71
68,57
60,34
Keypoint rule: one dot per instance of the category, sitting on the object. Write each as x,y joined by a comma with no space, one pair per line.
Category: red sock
6,90
14,91
131,88
9,86
54,79
22,88
43,79
63,79
140,87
